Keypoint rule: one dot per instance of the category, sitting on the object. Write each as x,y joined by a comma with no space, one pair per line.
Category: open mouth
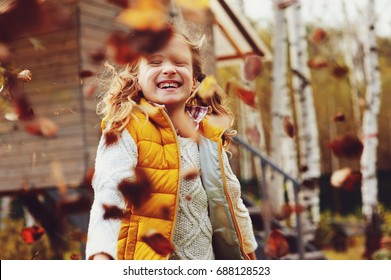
165,85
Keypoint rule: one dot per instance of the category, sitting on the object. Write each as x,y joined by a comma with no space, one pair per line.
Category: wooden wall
56,92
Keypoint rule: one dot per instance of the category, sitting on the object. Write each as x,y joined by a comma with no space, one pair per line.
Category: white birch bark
370,125
282,147
306,117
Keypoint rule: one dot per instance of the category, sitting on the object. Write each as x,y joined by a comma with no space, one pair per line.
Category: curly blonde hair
121,93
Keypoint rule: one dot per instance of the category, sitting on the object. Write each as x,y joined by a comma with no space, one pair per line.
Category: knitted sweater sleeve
241,212
113,163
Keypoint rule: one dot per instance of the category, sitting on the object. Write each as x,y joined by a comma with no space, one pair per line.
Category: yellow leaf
148,14
193,4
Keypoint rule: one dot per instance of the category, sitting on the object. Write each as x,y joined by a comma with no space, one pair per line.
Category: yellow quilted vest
158,155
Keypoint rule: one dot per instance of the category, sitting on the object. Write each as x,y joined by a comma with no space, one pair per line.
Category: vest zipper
179,175
230,202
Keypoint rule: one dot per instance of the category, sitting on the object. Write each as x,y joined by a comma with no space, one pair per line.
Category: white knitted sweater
192,232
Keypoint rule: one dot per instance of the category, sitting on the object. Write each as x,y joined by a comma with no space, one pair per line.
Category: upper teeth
167,85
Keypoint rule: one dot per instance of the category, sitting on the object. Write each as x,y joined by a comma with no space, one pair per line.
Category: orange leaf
247,95
276,246
136,191
319,35
252,67
42,127
32,234
317,62
144,14
158,242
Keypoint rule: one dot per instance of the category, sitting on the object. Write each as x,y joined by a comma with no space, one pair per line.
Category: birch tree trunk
370,126
306,118
282,147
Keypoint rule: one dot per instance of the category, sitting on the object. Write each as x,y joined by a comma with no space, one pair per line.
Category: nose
169,68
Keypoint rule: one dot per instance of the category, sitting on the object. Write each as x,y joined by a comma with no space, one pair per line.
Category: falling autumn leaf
340,117
340,71
32,234
120,3
252,67
143,15
111,137
112,212
191,4
86,74
352,182
98,56
22,108
339,176
158,242
253,135
247,95
136,191
317,62
286,4
207,87
191,173
73,204
127,47
346,146
276,245
288,126
319,35
42,127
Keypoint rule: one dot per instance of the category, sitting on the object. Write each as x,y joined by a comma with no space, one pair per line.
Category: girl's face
166,77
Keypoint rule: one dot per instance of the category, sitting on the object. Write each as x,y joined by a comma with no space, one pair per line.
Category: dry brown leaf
158,242
191,173
346,146
112,212
136,191
288,126
252,67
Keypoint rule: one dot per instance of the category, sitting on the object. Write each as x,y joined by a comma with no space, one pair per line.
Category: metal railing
264,162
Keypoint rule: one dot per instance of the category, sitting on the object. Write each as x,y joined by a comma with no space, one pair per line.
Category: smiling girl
151,113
